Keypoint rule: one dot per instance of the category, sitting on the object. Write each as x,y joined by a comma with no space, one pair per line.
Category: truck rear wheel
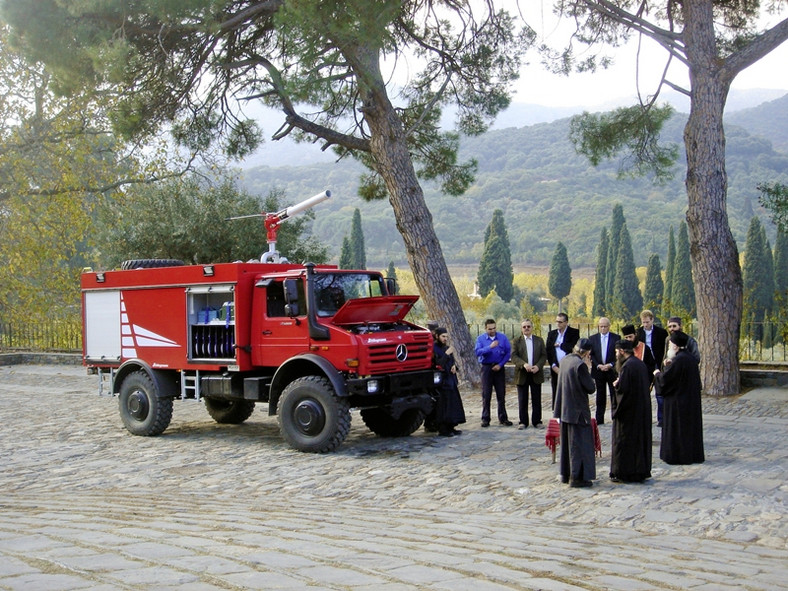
311,417
232,412
141,409
382,423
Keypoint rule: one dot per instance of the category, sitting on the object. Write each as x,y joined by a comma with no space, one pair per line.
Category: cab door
276,336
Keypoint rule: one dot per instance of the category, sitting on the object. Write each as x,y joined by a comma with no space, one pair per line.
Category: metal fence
760,341
58,335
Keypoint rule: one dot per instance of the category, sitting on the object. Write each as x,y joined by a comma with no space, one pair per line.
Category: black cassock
449,411
682,420
630,460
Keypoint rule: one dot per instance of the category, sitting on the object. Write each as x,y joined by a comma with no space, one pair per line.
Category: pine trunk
715,259
414,221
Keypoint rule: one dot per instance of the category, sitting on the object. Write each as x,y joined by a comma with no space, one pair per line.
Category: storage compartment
211,313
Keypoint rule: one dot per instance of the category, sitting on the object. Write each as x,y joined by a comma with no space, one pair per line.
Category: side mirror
291,297
391,286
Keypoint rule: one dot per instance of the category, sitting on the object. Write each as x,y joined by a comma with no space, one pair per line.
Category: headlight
436,378
372,386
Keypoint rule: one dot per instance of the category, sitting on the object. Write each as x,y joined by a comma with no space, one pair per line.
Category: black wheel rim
138,405
309,417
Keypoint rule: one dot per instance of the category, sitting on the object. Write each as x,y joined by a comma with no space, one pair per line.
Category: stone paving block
45,582
266,580
152,576
11,566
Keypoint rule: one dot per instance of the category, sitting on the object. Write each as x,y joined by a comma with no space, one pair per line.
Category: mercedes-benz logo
402,352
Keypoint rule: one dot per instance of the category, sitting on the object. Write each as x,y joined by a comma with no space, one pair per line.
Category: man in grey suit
529,356
603,362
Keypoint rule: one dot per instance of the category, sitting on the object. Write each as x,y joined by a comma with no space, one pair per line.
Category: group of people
626,368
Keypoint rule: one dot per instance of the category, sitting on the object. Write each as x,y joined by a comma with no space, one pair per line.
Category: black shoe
507,423
456,432
616,479
580,483
446,434
485,423
598,422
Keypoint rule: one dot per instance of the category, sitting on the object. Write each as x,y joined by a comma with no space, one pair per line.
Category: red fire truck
312,341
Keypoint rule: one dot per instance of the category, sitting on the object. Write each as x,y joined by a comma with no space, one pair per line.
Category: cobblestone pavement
85,505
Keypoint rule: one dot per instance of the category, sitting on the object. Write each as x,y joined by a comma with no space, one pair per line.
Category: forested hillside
547,193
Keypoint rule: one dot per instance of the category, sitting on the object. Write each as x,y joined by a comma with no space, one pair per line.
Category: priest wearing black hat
630,459
578,465
682,421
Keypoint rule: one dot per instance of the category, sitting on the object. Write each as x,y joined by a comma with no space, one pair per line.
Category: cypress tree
627,300
768,272
612,252
753,277
559,283
781,272
652,295
682,294
358,251
600,303
346,255
495,267
667,294
391,273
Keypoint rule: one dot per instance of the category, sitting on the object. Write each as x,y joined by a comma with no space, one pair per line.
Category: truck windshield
332,290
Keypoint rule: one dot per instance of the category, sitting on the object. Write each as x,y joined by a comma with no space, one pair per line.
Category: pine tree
612,252
683,290
559,283
495,267
358,251
346,256
627,299
652,295
667,294
600,301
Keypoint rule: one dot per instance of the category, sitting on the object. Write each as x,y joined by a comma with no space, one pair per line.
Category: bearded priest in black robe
682,421
630,460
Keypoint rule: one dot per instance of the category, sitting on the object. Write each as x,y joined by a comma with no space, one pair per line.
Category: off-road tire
382,423
141,409
230,412
149,264
311,417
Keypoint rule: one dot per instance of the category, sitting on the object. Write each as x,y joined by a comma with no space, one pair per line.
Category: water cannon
272,221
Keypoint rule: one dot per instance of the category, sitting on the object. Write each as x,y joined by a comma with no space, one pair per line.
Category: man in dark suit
529,356
560,342
654,338
603,358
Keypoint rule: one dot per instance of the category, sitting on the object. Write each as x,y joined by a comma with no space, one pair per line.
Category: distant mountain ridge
547,192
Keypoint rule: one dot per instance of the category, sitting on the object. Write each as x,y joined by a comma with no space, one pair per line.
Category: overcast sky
537,86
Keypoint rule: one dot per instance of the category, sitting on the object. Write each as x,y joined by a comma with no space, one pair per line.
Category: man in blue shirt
493,351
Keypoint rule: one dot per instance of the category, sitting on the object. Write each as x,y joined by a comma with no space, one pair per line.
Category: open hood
373,310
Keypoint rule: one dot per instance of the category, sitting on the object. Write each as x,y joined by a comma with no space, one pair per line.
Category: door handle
267,332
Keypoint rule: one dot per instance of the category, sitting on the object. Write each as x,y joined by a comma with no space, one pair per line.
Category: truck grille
383,357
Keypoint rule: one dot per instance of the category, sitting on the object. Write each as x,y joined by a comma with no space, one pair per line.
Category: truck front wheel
382,423
141,409
232,412
311,417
